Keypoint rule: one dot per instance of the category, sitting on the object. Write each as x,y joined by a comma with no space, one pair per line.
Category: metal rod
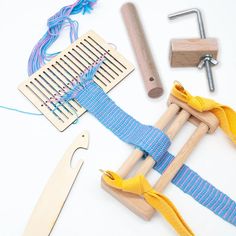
188,12
209,76
206,63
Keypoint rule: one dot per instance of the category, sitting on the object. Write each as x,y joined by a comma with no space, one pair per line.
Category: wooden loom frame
177,114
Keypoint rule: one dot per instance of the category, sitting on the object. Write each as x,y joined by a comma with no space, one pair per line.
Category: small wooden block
133,202
206,117
188,52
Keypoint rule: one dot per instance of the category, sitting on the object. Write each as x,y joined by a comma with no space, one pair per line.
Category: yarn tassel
56,24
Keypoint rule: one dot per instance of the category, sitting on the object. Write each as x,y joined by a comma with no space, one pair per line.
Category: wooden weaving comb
52,81
177,114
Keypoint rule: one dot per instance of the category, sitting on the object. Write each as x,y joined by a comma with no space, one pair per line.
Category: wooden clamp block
189,52
171,122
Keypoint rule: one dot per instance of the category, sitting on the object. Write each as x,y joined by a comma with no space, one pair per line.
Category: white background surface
31,147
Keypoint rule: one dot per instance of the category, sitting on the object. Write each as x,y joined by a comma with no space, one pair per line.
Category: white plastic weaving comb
52,81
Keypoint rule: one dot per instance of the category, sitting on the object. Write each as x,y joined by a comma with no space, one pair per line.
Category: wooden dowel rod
181,157
143,54
130,162
165,119
174,128
177,124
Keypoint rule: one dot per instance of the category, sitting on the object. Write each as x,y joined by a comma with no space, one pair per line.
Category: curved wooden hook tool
55,193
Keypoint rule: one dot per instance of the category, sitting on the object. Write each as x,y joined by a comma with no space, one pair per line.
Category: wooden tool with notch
171,122
56,192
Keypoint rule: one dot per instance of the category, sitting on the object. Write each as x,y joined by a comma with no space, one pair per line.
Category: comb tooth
66,83
58,86
106,79
53,92
107,72
63,88
46,93
55,79
44,108
45,102
54,98
78,65
108,62
100,78
98,75
68,74
97,56
70,67
108,56
120,66
60,111
86,64
90,60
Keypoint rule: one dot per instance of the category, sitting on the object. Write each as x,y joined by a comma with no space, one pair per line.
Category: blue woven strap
201,190
154,142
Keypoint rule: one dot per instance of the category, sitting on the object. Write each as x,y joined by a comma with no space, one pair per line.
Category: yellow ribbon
140,186
225,115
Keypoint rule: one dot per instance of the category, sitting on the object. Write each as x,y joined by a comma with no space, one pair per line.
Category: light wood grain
142,51
55,193
206,117
188,52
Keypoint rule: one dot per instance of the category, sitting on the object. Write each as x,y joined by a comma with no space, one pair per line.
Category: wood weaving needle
55,193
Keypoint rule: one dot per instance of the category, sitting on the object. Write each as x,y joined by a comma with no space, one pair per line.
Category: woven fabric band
153,142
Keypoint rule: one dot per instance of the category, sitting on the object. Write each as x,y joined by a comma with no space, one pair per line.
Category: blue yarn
20,111
56,23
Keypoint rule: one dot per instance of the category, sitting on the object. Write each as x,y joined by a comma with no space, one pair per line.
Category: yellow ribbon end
225,114
139,185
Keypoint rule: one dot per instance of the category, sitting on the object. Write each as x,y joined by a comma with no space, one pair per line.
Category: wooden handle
143,54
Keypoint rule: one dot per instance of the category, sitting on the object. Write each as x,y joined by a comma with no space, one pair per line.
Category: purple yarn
56,24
